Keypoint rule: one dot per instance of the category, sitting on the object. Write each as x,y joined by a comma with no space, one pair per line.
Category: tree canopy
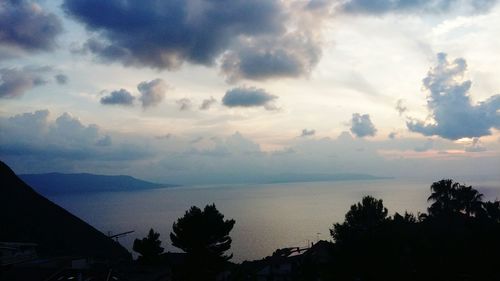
204,236
363,216
450,198
149,248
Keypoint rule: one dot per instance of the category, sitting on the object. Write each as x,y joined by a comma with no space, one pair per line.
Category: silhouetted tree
451,198
492,211
149,248
362,217
204,236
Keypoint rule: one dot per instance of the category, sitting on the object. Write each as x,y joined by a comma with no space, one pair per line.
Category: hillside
58,183
26,216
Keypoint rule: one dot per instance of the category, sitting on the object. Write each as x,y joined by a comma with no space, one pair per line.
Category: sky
219,91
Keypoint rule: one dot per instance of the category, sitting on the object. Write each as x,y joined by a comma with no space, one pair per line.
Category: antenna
119,235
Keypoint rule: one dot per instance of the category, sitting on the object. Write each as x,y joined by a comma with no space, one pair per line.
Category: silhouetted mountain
58,183
26,216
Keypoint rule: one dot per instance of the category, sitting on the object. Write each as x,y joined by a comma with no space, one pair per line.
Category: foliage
362,217
204,236
149,248
451,198
459,239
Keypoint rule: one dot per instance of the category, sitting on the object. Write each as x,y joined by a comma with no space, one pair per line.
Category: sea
268,216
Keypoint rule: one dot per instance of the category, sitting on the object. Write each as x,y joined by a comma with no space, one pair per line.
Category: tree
452,198
149,248
204,236
363,216
492,211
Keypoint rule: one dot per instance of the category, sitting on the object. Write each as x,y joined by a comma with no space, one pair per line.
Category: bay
268,216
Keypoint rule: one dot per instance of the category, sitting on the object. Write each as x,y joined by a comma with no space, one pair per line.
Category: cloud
33,142
163,34
26,26
15,82
377,7
71,129
257,39
392,135
184,104
207,103
61,79
118,97
400,107
449,104
164,137
293,55
475,146
425,147
196,140
248,97
362,126
104,141
33,138
152,92
307,133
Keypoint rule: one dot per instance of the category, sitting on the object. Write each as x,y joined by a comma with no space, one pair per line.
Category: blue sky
204,91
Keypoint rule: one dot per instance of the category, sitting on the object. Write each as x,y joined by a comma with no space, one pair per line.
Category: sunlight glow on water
267,216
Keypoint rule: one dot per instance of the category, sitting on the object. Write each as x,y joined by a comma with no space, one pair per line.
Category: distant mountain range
26,216
58,183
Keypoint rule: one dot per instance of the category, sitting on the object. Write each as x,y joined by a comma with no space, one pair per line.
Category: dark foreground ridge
26,216
58,183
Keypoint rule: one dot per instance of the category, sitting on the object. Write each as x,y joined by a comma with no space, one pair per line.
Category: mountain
57,183
26,216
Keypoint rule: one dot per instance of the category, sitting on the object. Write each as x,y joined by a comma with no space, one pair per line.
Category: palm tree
492,211
468,200
450,197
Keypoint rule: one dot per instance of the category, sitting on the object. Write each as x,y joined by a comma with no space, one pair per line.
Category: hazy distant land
59,183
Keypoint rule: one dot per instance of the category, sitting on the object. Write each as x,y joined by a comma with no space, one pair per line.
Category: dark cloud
248,97
362,126
15,82
163,34
61,79
207,103
184,104
25,25
377,7
152,92
450,105
392,135
254,38
307,133
292,55
118,97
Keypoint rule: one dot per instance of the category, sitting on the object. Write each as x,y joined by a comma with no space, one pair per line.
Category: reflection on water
267,216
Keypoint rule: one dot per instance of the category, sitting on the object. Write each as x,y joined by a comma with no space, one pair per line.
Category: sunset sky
221,91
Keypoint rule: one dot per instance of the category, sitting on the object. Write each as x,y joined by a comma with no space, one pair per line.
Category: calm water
267,216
